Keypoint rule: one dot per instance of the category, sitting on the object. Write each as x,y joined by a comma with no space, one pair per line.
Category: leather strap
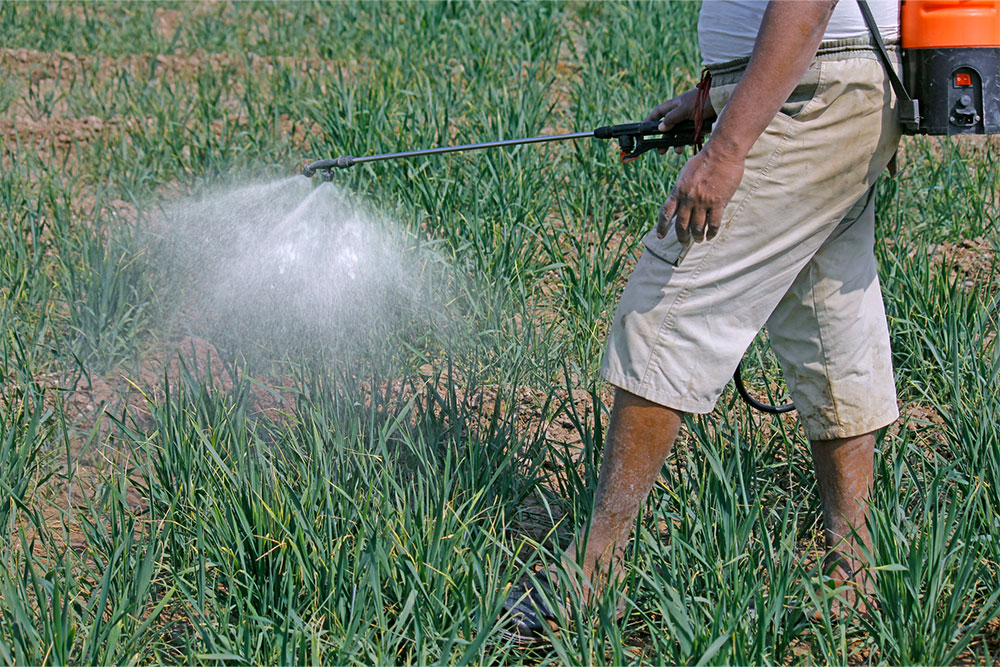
909,108
699,110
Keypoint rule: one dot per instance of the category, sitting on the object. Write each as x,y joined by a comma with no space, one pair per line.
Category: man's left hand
705,185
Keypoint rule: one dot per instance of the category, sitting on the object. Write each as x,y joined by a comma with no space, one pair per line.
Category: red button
963,79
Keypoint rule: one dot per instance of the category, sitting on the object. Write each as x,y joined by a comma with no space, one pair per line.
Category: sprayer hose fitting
342,162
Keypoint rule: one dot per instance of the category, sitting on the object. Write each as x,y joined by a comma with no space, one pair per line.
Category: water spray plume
286,268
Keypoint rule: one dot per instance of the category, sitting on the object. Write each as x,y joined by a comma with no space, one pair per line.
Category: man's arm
789,36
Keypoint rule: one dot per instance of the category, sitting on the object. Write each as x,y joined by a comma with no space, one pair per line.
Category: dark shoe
530,612
529,606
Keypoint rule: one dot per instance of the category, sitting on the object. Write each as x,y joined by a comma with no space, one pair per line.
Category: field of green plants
162,499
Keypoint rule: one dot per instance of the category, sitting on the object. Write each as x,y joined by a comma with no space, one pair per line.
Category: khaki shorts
795,252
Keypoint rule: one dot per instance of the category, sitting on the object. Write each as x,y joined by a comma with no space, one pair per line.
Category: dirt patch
62,131
969,262
132,390
167,22
28,63
922,415
63,65
97,407
925,425
57,140
62,100
911,148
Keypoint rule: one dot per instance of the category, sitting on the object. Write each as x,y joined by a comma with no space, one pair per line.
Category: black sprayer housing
958,89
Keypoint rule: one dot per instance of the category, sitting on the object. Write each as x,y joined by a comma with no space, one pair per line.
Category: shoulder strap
909,108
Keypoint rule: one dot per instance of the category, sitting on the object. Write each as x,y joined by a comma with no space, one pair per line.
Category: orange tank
935,24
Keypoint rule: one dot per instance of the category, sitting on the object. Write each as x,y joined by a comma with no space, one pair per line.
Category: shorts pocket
804,92
719,96
668,249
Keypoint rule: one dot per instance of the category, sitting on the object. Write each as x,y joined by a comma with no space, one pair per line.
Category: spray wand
634,139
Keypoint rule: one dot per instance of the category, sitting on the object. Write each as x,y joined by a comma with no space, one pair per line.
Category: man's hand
705,185
790,32
676,110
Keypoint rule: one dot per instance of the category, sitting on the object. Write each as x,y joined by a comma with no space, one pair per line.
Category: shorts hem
856,428
665,399
813,431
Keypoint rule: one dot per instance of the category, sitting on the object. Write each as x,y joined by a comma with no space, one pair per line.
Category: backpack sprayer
951,63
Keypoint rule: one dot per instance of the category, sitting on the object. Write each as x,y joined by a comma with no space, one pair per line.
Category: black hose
754,403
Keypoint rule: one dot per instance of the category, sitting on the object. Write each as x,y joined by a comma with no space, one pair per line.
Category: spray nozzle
325,167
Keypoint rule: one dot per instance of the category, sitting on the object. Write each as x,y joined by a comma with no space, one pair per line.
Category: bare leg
844,473
639,439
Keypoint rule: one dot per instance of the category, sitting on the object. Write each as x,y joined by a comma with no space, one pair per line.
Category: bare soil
65,65
97,406
41,119
970,262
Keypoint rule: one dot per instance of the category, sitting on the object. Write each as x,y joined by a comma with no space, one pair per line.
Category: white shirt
727,29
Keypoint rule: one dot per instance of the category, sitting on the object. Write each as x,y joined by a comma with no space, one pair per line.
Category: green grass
383,510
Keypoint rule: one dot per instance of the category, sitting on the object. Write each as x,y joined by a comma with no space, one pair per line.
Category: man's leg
844,472
638,441
829,332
